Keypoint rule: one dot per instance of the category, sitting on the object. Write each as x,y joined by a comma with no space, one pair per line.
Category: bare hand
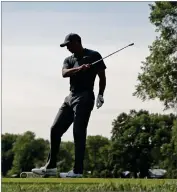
84,67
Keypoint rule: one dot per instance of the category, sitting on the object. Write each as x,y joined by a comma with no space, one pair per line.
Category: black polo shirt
84,80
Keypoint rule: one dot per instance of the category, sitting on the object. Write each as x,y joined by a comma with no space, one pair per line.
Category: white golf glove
99,101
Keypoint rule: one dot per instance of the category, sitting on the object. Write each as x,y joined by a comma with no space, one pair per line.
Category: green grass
88,185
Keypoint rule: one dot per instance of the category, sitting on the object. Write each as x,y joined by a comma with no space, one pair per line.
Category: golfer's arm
102,82
69,72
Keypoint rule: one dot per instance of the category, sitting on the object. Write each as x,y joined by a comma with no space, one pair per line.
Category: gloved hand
99,101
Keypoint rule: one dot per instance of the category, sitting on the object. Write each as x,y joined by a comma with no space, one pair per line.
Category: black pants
76,109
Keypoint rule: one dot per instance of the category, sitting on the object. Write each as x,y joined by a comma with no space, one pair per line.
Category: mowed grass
88,185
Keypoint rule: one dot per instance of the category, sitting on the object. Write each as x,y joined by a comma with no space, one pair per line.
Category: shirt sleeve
66,64
100,65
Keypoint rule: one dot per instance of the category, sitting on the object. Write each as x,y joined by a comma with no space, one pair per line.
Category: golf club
111,54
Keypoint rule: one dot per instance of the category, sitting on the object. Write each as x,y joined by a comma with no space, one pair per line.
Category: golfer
78,105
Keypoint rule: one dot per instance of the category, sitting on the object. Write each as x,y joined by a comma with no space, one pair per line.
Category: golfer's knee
56,131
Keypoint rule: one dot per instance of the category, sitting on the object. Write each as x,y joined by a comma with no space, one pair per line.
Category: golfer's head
72,42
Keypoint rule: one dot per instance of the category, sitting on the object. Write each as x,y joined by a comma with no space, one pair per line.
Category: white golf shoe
70,174
44,171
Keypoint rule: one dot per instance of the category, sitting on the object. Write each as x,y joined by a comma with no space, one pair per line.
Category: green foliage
27,152
174,136
137,139
97,153
158,78
7,140
169,154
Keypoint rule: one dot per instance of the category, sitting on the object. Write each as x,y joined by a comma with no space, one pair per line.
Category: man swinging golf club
78,105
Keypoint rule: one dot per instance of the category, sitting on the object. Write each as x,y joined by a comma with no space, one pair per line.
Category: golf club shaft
111,54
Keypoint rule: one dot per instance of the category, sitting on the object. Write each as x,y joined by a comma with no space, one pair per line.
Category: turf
88,185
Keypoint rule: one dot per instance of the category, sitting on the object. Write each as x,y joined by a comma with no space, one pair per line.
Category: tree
97,154
7,140
158,78
130,142
169,154
174,136
28,153
136,138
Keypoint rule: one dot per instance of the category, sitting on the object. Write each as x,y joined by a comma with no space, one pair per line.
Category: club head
131,44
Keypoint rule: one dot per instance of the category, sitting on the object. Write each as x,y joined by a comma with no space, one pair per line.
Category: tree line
139,140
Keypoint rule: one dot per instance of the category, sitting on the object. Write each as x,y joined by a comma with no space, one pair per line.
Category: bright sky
32,86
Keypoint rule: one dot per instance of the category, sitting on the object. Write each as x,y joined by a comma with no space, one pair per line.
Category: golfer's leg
81,119
62,122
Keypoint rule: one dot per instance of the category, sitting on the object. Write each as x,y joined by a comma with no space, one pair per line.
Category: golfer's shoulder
68,59
93,53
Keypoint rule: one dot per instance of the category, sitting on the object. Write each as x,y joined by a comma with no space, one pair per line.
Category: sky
32,85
